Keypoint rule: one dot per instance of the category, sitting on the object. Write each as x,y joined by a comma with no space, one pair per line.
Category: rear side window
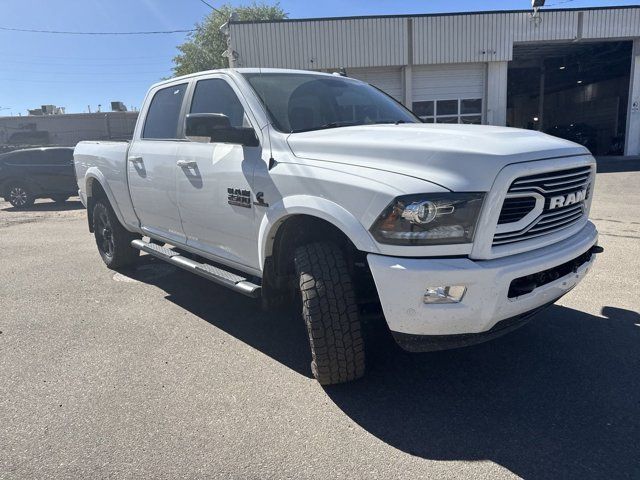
31,157
59,157
164,113
216,96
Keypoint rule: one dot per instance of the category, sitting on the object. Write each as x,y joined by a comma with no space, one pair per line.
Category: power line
211,7
560,3
85,72
92,57
144,81
62,32
83,63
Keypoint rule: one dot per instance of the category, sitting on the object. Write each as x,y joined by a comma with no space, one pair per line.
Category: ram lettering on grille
564,193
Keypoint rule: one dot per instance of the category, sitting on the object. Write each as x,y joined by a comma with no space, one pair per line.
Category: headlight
429,219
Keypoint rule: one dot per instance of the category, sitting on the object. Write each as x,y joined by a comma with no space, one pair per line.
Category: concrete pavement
156,373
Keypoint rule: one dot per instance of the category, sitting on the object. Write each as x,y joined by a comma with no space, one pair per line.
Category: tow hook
597,249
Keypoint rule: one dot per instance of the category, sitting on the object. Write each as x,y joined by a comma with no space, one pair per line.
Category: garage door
449,93
388,80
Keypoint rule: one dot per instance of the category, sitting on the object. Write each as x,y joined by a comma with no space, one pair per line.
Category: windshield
300,102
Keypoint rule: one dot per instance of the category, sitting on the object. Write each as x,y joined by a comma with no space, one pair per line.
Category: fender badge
260,200
239,197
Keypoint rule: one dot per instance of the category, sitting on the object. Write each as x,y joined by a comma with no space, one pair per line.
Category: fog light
445,294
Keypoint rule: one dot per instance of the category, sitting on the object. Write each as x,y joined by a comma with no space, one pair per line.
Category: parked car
32,173
286,184
581,133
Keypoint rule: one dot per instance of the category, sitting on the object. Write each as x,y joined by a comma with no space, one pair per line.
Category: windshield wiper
395,122
348,124
327,125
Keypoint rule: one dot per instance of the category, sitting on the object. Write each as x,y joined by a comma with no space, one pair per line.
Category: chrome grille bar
549,185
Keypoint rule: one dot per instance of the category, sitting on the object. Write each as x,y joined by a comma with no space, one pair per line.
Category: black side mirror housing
217,128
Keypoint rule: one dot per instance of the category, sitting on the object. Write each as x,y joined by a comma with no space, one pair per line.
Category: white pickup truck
287,185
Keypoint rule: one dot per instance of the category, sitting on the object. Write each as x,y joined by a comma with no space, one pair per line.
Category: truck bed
106,161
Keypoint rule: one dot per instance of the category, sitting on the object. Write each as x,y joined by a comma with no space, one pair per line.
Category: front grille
515,209
549,185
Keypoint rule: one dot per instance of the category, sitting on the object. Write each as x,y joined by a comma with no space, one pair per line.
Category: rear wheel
112,239
19,195
330,312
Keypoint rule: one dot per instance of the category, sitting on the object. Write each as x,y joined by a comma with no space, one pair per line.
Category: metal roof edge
419,15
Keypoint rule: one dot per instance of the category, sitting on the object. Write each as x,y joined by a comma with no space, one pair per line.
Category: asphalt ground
156,373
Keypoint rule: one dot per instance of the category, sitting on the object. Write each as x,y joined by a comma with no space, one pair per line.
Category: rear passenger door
151,164
61,176
29,166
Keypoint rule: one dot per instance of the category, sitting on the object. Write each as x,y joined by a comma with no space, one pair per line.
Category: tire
60,198
330,312
112,239
19,195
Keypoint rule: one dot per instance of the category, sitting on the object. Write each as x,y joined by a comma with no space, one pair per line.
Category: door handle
135,159
187,163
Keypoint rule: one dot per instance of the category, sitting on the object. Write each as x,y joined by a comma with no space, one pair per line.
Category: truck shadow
279,335
558,398
47,206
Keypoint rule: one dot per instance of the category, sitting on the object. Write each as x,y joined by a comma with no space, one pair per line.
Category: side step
210,272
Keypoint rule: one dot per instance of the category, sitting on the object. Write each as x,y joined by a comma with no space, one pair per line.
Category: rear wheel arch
6,183
19,192
94,191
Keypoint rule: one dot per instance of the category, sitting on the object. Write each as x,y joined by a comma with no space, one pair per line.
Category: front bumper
401,284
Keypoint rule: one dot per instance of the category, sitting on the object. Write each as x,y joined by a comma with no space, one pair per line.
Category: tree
204,48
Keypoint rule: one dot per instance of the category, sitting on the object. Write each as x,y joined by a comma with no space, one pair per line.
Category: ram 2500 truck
286,184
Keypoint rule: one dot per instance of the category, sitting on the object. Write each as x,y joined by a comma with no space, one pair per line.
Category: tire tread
330,313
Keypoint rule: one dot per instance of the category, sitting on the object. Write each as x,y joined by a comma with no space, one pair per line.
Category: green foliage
204,48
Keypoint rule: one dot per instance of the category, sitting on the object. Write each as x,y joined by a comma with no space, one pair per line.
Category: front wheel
330,312
112,239
19,195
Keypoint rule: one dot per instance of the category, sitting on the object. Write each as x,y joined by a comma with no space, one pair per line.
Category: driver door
215,182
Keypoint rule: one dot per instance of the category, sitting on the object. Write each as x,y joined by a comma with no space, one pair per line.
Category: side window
164,113
59,157
21,159
216,96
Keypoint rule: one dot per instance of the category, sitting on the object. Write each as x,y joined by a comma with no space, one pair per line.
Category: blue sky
77,71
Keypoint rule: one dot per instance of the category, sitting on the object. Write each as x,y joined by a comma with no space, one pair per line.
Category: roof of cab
233,71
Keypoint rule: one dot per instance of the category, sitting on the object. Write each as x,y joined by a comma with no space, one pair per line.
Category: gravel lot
160,374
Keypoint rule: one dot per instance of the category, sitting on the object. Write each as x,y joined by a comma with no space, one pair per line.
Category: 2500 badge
239,197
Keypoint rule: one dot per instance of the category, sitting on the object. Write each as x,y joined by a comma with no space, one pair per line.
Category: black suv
35,173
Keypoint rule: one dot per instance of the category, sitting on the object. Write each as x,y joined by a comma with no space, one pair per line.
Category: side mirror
217,128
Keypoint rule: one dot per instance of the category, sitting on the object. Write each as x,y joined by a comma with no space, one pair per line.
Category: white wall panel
496,98
448,81
611,23
321,44
387,79
437,39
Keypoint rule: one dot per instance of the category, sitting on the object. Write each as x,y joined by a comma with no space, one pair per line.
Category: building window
462,110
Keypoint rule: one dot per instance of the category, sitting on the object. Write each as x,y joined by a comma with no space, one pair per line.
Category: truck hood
457,157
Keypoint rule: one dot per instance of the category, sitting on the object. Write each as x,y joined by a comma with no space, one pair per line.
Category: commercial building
64,129
570,72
